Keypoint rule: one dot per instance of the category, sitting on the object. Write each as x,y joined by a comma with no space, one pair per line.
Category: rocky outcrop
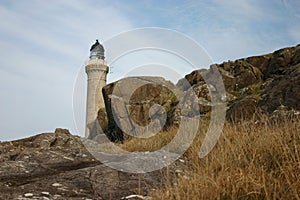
58,166
253,86
138,106
256,85
282,81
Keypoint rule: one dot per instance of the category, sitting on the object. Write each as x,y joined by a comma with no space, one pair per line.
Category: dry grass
257,161
149,144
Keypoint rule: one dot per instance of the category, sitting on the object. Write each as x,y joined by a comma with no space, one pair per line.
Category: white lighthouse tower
96,69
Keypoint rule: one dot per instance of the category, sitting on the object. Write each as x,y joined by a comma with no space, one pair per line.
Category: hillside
256,157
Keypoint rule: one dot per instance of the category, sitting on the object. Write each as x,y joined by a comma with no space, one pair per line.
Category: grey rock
47,174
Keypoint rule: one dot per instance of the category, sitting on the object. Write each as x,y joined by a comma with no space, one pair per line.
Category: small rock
56,196
67,158
8,184
137,197
28,195
56,184
45,193
62,131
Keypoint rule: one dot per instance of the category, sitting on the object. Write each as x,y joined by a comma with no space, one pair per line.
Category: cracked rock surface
58,166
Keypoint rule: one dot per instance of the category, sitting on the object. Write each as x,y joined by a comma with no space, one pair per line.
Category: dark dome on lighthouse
97,51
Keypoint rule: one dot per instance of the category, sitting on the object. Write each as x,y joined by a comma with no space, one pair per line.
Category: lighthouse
96,69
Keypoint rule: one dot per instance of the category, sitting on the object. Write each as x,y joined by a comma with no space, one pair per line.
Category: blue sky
44,44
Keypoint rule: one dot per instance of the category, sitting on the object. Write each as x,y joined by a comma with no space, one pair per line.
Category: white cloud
42,47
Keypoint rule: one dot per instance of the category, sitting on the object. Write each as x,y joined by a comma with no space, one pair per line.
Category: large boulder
243,109
282,90
280,60
138,106
260,62
240,74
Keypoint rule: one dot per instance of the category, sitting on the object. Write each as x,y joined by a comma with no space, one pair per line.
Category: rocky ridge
266,85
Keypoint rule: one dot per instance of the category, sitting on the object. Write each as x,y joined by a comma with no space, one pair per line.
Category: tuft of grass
153,143
256,89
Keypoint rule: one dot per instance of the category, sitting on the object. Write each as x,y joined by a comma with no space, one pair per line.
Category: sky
44,45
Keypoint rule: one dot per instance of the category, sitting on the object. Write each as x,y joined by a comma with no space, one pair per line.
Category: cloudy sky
44,44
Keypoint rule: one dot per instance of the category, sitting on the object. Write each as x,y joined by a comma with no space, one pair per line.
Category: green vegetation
256,89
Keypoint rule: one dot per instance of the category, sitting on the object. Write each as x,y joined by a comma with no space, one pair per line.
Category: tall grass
250,161
148,144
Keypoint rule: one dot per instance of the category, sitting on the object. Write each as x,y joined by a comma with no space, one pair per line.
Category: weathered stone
240,74
62,131
28,195
228,79
283,90
244,109
279,62
62,172
260,62
261,83
138,106
296,56
191,79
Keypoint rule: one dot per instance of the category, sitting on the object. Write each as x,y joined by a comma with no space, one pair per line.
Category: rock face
282,80
57,166
138,106
255,85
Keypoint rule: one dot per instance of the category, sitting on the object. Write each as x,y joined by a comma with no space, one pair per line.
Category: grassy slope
250,161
